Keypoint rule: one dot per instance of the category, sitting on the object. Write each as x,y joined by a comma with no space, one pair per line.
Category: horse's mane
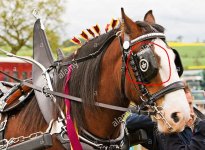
84,79
83,82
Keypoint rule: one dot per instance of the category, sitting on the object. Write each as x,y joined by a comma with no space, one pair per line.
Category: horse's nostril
175,117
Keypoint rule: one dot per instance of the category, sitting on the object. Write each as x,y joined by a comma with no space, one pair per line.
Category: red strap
74,140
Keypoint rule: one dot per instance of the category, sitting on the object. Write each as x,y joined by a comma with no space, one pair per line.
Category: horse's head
153,67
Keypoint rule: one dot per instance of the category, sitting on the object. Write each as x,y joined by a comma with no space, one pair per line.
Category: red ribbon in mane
74,140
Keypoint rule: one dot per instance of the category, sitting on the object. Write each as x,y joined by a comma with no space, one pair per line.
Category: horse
104,79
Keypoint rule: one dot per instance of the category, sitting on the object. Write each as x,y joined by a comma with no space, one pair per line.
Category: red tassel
84,36
97,29
75,40
91,32
107,28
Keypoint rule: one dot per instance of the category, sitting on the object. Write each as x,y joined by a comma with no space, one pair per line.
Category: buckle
64,134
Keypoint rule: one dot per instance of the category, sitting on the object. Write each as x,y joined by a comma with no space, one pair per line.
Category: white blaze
174,101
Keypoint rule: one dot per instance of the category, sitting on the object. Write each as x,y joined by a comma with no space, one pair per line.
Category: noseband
148,100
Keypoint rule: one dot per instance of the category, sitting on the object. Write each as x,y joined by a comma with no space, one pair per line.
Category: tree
16,20
53,39
179,38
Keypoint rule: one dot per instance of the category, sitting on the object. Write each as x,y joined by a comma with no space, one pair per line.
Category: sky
184,18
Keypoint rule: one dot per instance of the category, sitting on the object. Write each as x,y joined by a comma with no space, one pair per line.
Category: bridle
147,98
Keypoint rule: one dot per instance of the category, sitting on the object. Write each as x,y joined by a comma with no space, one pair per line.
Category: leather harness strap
77,99
15,95
18,93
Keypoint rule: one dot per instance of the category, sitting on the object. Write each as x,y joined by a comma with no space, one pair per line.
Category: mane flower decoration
75,40
95,31
91,32
84,36
114,23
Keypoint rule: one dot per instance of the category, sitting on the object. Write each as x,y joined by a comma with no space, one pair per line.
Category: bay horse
100,80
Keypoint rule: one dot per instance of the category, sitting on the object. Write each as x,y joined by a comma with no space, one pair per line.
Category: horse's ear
149,17
128,26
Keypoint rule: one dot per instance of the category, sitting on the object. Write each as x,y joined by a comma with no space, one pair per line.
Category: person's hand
191,121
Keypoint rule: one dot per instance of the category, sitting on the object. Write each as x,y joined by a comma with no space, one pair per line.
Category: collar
109,144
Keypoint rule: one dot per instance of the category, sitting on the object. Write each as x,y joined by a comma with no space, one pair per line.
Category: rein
73,98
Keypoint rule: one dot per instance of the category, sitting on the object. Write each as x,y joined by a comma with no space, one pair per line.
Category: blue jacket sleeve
135,122
197,142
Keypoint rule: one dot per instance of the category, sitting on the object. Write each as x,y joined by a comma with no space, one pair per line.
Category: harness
147,98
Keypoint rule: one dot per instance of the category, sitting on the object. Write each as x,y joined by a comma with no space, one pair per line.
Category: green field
192,55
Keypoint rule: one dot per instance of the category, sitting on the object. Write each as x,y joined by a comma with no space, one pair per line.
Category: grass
192,54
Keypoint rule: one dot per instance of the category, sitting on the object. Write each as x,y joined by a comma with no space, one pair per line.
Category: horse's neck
105,123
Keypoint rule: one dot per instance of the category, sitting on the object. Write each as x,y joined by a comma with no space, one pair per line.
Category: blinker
146,62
